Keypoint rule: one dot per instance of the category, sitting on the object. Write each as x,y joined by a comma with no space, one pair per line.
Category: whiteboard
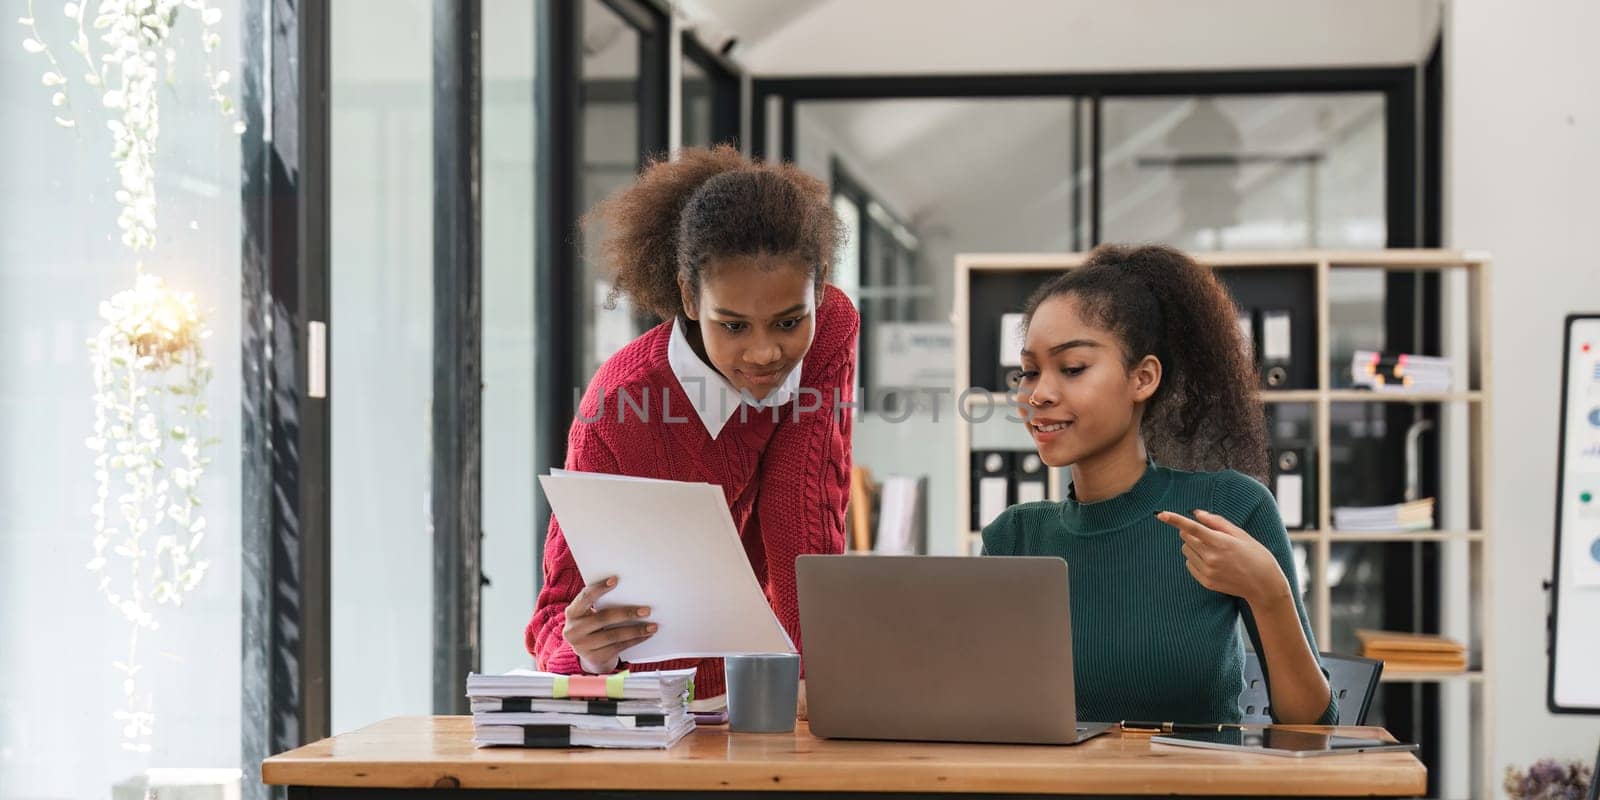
1575,641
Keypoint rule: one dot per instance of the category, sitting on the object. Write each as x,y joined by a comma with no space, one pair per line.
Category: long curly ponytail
1206,414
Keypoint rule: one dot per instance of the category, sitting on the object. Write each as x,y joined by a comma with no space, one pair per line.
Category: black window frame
874,287
724,78
285,466
285,274
559,295
1412,210
1398,85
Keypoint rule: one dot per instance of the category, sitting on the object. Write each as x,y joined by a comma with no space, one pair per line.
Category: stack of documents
1387,372
1416,515
1414,652
523,708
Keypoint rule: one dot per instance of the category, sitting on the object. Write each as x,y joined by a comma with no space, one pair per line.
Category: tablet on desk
1280,742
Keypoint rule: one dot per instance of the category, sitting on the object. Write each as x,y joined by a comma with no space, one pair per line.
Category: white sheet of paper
1011,341
897,510
673,547
1275,333
608,477
1030,492
991,499
1291,500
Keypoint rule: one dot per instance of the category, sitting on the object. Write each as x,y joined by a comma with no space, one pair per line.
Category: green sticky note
614,684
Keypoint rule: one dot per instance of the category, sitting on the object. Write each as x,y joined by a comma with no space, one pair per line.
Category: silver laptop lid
937,648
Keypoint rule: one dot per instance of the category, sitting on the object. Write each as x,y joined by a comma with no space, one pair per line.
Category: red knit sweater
786,479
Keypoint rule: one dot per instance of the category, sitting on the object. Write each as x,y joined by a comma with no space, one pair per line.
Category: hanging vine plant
148,360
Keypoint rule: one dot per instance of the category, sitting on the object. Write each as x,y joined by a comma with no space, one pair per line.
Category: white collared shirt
715,399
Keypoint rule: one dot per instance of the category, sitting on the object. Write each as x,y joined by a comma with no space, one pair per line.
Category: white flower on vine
150,454
134,31
146,361
139,723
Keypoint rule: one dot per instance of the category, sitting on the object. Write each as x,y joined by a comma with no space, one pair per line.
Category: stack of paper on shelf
1388,372
523,708
1413,652
1416,515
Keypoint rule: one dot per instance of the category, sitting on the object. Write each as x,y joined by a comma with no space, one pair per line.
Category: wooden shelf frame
1473,374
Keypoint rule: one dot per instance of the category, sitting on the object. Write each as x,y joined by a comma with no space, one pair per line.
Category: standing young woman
746,380
1138,352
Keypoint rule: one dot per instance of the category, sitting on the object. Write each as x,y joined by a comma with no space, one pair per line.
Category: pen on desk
1135,726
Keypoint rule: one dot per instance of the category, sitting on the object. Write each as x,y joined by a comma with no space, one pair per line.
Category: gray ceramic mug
762,692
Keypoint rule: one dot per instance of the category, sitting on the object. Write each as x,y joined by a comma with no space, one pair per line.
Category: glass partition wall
1264,161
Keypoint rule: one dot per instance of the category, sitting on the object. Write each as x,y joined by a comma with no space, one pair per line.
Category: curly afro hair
710,204
1206,414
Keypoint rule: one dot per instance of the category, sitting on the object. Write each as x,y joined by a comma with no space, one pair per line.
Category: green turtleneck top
1148,641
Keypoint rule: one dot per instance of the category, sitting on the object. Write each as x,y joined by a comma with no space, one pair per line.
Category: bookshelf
1465,543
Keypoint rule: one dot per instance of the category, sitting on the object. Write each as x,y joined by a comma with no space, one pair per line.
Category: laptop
939,649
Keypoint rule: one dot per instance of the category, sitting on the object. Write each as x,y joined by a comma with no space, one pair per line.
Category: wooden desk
434,755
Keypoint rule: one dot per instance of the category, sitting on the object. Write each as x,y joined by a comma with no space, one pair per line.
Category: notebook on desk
905,648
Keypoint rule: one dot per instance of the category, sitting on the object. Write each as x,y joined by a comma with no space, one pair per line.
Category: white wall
820,142
1004,169
916,36
1522,160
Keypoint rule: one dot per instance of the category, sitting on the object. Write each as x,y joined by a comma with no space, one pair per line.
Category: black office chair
1354,682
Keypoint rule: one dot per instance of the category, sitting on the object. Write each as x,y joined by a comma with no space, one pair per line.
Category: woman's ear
1146,377
690,302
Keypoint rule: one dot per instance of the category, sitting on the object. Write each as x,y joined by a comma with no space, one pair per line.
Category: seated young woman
1132,361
